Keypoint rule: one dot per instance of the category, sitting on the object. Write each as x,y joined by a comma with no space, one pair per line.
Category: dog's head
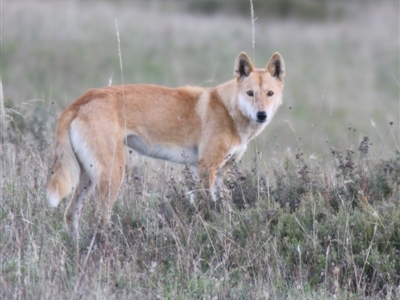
259,90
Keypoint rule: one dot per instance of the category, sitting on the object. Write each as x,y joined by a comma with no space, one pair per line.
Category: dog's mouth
256,120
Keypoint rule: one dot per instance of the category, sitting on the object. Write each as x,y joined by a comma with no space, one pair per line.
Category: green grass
314,206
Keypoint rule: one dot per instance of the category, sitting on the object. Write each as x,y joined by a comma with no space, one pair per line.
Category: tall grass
312,214
299,230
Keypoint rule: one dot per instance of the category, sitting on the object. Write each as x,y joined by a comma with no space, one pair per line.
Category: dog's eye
250,93
270,93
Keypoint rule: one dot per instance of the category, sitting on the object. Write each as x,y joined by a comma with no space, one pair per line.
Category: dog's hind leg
110,180
75,206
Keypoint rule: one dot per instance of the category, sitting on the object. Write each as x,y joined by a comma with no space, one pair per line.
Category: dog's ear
243,66
276,66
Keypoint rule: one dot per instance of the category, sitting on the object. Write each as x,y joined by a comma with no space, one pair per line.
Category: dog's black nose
261,116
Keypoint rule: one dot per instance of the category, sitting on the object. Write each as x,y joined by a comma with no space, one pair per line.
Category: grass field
314,211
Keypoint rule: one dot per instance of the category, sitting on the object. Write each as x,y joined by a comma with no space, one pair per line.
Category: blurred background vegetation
342,60
304,9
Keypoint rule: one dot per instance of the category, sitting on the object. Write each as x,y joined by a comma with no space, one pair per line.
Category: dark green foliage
309,9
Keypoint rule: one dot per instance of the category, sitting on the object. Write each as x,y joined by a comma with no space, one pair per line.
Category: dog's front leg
213,157
208,175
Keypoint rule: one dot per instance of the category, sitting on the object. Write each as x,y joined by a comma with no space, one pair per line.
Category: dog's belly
176,154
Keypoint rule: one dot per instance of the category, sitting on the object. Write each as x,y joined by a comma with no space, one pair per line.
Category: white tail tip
53,198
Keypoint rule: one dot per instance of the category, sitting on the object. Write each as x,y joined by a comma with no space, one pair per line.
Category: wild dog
207,127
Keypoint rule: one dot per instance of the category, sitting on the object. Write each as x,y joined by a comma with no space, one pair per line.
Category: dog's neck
228,94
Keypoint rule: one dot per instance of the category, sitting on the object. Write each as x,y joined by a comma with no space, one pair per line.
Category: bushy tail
64,175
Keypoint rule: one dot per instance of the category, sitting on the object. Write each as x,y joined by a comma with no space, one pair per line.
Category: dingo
207,127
